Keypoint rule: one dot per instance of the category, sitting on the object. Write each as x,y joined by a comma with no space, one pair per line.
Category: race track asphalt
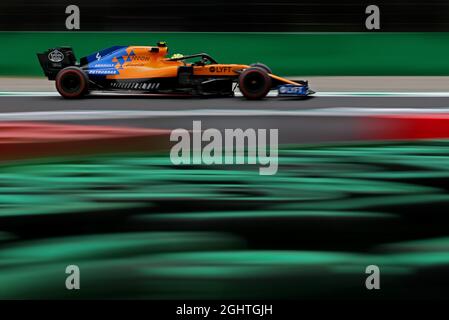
315,119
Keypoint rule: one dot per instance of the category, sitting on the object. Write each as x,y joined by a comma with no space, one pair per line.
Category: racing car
148,69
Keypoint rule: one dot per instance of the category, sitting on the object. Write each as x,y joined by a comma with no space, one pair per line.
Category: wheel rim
71,82
254,82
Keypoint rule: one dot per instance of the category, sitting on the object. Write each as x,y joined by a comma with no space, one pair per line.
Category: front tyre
254,83
72,83
262,66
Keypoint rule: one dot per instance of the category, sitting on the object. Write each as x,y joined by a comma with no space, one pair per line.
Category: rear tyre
262,66
254,83
72,83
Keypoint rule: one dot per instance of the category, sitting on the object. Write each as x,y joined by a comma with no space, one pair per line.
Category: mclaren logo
56,56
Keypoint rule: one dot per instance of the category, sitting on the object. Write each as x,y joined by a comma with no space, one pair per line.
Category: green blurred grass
140,227
296,54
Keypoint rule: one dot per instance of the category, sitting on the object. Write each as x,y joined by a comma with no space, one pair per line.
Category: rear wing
56,59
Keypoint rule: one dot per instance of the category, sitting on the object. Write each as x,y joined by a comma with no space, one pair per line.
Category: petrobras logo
103,72
56,56
295,90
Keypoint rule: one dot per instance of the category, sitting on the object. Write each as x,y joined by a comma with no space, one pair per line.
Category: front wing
292,90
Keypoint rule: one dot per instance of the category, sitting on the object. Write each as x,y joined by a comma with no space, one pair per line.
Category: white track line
28,94
138,114
238,94
134,114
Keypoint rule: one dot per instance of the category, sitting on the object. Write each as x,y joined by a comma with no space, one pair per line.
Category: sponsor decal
140,58
292,90
102,71
104,65
136,85
220,69
56,56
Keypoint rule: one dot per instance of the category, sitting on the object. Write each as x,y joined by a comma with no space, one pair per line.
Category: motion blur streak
135,225
408,126
293,54
229,15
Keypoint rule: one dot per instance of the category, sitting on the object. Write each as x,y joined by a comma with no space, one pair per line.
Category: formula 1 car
146,69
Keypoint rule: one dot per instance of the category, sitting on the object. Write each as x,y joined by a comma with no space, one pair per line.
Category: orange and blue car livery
148,69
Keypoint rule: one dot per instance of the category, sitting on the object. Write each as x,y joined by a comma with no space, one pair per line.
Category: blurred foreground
139,227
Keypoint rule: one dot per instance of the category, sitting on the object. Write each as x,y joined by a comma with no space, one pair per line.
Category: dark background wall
225,15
